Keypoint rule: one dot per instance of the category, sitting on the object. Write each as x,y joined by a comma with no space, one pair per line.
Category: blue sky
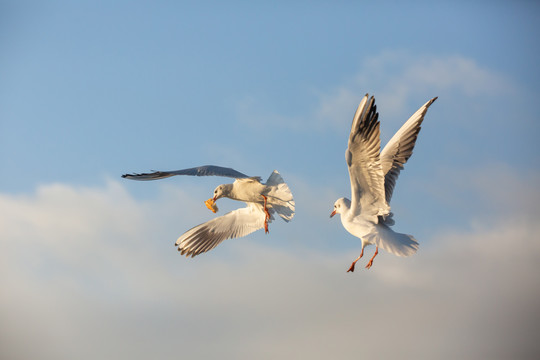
91,90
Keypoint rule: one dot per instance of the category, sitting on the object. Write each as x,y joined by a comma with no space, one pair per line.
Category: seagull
373,175
263,201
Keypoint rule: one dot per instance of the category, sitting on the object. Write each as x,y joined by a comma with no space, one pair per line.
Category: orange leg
266,217
370,263
351,269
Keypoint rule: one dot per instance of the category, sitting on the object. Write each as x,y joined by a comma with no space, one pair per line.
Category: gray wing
362,156
400,148
207,170
206,236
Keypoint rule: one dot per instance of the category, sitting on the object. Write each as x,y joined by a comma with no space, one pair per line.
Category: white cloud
409,73
401,82
92,273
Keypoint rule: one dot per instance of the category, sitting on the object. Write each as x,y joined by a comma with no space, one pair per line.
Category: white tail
393,242
280,197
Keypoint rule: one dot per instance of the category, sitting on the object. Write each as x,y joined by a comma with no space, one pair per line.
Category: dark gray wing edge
206,170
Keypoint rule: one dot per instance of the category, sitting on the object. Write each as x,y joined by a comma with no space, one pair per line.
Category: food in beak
211,204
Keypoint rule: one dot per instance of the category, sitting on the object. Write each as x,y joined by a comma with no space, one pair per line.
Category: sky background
90,90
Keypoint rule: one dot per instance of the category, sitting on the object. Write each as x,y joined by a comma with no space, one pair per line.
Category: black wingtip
432,101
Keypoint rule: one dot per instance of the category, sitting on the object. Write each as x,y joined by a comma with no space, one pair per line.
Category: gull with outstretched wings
263,201
373,174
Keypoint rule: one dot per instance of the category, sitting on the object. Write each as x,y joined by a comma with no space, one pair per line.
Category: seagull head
222,191
340,206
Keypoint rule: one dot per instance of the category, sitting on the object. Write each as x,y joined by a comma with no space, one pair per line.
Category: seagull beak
333,213
211,204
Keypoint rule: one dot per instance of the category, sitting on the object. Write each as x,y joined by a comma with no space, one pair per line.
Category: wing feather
400,148
362,156
206,236
207,170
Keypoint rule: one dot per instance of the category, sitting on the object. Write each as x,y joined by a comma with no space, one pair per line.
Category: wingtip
130,176
428,104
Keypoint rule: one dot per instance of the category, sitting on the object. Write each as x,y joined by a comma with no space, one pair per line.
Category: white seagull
373,174
263,200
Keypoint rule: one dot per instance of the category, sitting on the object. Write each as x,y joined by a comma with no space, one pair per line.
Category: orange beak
333,213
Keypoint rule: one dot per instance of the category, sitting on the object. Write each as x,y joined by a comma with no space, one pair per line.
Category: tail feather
393,242
280,196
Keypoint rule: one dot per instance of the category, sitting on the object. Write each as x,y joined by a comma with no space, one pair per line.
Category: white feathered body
373,174
275,194
278,195
243,221
374,230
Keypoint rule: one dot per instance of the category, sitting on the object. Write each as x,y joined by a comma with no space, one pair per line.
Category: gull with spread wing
373,174
262,199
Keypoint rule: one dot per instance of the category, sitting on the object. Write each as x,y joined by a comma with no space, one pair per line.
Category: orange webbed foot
370,263
351,269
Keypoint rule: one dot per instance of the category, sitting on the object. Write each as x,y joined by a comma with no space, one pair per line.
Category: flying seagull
373,174
262,199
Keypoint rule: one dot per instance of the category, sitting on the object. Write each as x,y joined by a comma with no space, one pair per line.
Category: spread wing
362,156
207,170
400,148
206,236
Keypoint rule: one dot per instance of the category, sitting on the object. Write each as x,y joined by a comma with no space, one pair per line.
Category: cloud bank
92,273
